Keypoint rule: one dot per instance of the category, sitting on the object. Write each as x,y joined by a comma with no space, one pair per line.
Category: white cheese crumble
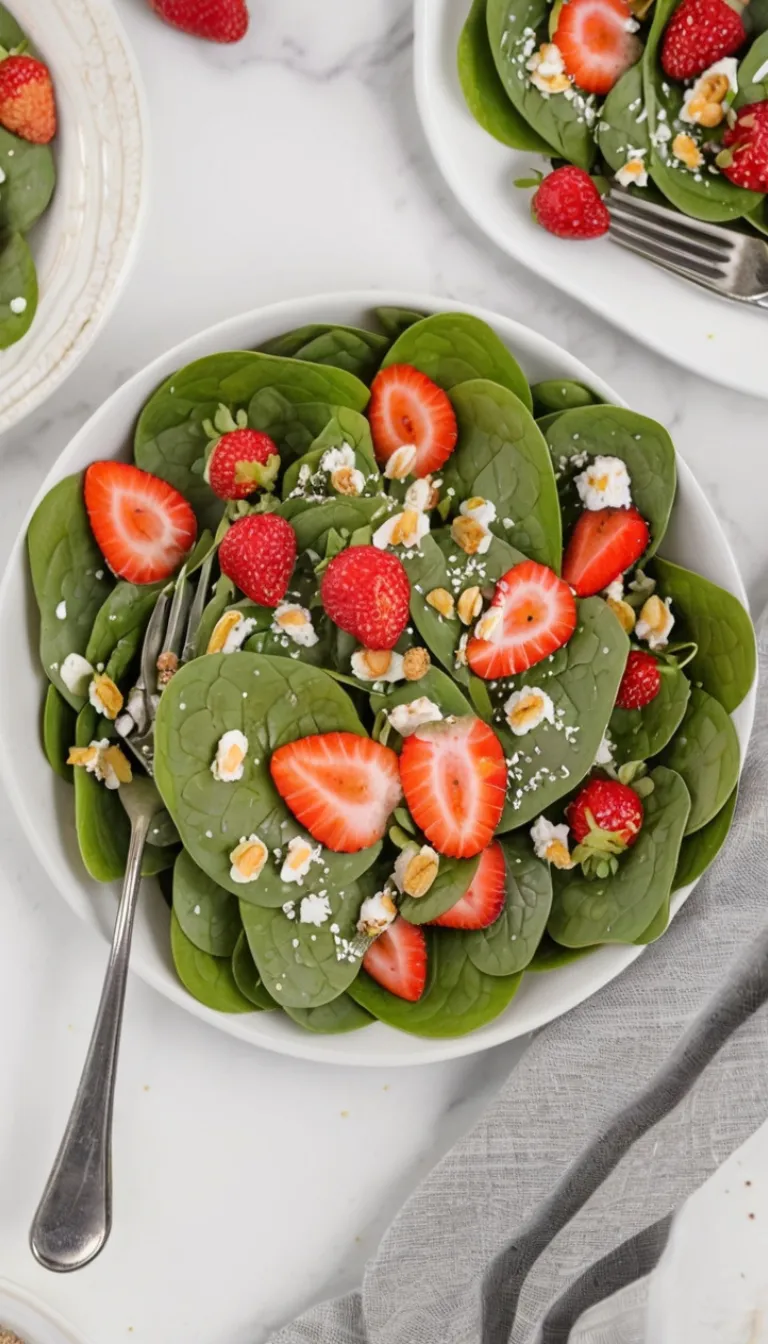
231,751
295,621
527,708
605,484
76,673
314,909
406,719
301,854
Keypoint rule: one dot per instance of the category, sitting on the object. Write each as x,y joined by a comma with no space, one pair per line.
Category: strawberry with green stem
605,818
240,460
27,101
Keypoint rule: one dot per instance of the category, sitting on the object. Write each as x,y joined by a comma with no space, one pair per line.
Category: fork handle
74,1217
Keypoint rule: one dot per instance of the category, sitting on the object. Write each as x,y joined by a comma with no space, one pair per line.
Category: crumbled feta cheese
402,529
314,909
420,494
615,591
248,859
105,697
76,673
546,68
61,611
605,484
230,632
334,458
705,100
633,173
295,621
377,665
376,914
18,305
406,718
527,708
299,857
550,842
472,529
604,753
228,763
104,760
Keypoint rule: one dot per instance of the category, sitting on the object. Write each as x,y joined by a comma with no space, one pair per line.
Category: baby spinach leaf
618,909
638,734
295,426
718,624
395,321
209,916
458,998
344,513
701,194
30,177
119,626
247,978
705,752
560,394
273,701
565,124
643,444
437,686
66,567
507,945
550,956
582,680
753,64
103,829
483,90
454,348
58,732
454,878
11,34
334,436
223,594
170,439
208,979
341,1015
502,455
18,283
700,849
304,965
352,348
622,125
267,638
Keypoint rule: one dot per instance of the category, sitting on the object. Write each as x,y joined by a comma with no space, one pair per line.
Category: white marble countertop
244,1187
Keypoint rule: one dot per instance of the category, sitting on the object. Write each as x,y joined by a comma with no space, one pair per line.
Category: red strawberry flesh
454,778
242,461
603,545
406,407
609,805
539,616
483,902
744,159
397,960
699,33
641,682
27,103
342,787
597,43
214,20
144,528
569,205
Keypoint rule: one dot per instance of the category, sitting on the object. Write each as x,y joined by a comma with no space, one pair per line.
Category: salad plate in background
45,802
724,342
83,245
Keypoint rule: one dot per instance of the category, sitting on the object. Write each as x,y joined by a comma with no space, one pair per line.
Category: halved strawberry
538,617
143,527
340,786
604,543
483,902
398,960
454,778
597,42
407,407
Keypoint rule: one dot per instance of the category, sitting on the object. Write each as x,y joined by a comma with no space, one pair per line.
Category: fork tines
690,247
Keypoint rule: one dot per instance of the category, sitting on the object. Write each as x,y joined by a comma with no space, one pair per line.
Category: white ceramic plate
722,341
31,1320
44,803
85,242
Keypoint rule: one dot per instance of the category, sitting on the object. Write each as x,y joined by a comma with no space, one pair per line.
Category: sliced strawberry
483,902
143,527
407,407
538,617
340,786
596,41
454,778
398,960
604,543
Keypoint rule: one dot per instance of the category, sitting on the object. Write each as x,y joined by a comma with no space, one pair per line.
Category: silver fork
732,264
74,1217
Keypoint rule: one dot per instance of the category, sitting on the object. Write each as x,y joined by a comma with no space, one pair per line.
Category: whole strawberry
699,33
215,20
366,592
744,158
240,460
258,554
605,818
641,682
568,204
27,103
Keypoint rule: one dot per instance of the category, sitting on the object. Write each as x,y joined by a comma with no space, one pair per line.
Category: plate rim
422,1050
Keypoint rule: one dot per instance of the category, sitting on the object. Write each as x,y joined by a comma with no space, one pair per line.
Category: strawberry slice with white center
597,42
603,545
538,617
143,527
454,778
398,960
341,787
483,901
406,407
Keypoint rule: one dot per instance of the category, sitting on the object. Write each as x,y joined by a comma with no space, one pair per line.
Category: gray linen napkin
562,1194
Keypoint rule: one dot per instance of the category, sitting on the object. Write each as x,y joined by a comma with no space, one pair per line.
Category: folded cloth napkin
562,1195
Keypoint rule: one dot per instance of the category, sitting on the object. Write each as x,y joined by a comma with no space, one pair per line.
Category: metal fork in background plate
732,264
74,1217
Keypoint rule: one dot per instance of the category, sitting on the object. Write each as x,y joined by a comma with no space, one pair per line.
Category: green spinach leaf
700,849
58,732
561,394
705,752
120,625
550,956
352,348
209,916
208,979
508,945
638,734
334,1018
454,878
483,90
719,625
30,177
394,321
247,978
18,284
453,348
622,125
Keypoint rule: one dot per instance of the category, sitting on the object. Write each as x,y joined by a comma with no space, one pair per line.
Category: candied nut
167,664
114,760
490,626
460,656
222,629
400,462
415,664
373,926
655,615
347,481
105,696
442,601
547,69
468,534
558,856
419,875
248,859
376,661
705,113
406,526
685,149
469,605
623,612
